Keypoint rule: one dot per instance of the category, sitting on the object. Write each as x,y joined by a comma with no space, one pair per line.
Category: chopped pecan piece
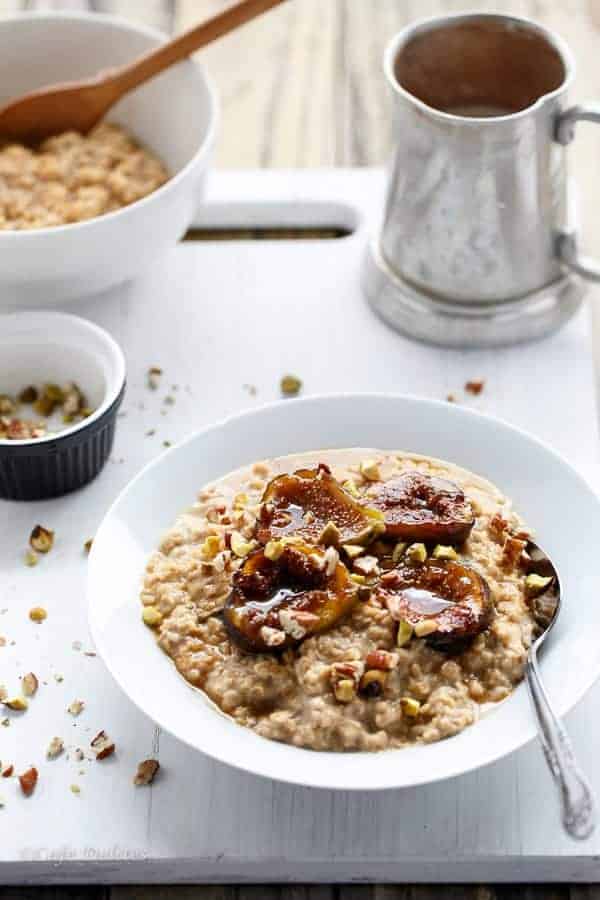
28,781
146,772
102,745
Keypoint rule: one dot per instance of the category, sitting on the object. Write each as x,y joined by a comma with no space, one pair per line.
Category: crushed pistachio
344,690
425,627
31,558
444,552
330,535
536,584
359,579
240,546
369,469
350,487
211,546
405,632
41,539
416,553
75,789
410,707
399,550
38,614
290,385
151,616
274,549
353,550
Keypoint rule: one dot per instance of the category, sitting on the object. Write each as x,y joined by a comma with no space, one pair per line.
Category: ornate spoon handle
576,798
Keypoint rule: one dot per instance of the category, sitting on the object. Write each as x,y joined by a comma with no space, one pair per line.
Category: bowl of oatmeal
81,213
345,601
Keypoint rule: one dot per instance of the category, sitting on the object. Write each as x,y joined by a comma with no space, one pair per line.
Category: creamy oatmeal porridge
347,600
72,177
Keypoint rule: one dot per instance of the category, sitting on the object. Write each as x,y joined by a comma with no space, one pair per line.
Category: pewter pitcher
477,244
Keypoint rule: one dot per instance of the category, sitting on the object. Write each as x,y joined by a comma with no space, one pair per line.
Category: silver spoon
576,798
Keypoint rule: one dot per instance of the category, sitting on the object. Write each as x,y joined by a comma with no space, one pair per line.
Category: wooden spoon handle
149,65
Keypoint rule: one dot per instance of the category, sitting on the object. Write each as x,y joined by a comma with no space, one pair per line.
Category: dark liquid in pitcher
479,67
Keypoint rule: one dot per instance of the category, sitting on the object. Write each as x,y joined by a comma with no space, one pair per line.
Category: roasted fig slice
276,603
313,506
446,601
418,507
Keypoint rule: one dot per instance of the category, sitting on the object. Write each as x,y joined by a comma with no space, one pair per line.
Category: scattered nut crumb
151,432
55,748
28,781
102,745
8,770
41,539
75,789
154,374
166,443
146,771
76,707
58,678
29,684
38,614
88,545
31,558
5,722
290,385
474,387
451,398
17,704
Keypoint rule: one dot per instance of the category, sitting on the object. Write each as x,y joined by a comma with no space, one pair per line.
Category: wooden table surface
302,87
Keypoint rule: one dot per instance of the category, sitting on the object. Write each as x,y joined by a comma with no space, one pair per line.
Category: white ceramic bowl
41,347
174,115
551,496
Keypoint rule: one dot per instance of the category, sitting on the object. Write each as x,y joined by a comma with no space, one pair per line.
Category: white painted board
216,316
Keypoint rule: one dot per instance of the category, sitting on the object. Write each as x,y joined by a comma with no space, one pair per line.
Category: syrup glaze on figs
418,507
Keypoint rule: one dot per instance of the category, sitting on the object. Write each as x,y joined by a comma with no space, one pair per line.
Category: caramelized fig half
418,507
275,604
310,503
448,595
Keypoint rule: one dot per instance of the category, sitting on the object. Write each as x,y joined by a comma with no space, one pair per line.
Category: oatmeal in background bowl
348,600
73,177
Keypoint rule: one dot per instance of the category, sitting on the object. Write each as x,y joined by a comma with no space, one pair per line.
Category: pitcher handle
566,244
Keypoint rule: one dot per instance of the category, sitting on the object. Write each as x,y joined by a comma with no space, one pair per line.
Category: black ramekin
44,343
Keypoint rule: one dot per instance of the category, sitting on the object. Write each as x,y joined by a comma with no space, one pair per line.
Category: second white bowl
174,115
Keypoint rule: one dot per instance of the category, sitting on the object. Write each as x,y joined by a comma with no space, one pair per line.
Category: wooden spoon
79,105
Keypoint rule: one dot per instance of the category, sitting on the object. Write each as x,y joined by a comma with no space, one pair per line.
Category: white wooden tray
218,316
